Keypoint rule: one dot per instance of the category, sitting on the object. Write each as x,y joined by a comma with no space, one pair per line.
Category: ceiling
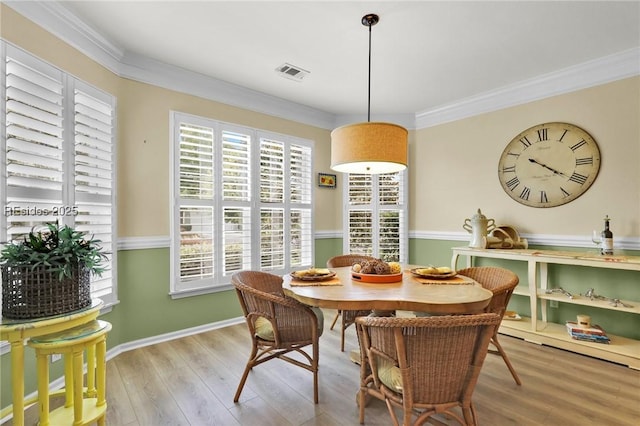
425,54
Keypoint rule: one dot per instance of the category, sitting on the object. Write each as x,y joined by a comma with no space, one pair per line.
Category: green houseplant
48,272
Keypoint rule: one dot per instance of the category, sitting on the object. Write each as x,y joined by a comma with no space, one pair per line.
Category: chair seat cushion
264,329
389,375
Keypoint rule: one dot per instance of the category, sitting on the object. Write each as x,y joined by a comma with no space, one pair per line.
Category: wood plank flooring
192,380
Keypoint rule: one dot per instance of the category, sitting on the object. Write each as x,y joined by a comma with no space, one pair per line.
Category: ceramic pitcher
479,227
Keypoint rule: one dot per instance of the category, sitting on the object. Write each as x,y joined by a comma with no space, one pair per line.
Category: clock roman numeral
525,193
512,183
578,145
543,197
525,142
583,161
578,178
564,192
509,169
563,135
542,135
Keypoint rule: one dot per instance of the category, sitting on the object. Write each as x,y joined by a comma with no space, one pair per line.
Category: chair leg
247,369
504,356
342,329
335,319
315,362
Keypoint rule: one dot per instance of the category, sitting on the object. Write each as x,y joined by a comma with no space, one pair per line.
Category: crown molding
587,74
56,19
147,70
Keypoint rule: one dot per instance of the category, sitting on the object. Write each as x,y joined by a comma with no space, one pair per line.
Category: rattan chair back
292,325
502,283
347,260
438,360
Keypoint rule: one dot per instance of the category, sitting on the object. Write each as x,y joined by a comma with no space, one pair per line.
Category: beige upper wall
454,166
144,149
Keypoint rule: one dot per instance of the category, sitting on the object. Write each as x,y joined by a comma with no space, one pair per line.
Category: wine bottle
606,246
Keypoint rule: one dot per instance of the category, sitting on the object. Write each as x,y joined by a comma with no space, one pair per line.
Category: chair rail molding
623,243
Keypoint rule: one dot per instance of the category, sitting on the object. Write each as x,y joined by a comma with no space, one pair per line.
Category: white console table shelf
538,330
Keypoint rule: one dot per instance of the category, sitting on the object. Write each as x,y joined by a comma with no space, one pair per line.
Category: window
57,156
376,216
241,200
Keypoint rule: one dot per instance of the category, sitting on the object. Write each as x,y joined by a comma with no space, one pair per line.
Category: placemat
300,283
458,280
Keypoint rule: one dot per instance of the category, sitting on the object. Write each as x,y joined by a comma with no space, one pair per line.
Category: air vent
291,72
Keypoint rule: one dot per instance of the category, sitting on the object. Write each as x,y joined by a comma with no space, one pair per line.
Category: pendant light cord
369,88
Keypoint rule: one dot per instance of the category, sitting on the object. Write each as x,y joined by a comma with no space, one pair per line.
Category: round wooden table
445,297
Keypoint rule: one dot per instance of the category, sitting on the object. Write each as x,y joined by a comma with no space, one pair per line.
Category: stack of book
595,333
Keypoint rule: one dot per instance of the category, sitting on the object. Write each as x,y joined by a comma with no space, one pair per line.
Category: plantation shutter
57,156
94,174
35,150
359,213
196,205
242,201
390,216
376,211
272,217
300,217
236,200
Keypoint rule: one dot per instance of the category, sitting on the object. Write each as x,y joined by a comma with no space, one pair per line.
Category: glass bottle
606,246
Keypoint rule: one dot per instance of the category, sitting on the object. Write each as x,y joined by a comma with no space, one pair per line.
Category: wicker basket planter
29,293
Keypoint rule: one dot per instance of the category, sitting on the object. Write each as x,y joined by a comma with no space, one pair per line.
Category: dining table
411,292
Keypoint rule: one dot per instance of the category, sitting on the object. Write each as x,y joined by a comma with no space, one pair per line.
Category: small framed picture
326,180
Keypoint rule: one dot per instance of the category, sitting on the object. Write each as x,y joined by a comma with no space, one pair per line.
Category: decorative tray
451,274
375,278
306,276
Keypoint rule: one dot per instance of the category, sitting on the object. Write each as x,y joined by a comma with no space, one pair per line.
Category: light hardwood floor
192,380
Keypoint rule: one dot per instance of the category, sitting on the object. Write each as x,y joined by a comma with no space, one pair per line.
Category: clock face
549,165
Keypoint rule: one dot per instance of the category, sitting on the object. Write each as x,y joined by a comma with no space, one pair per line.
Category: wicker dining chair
501,282
424,365
278,325
348,316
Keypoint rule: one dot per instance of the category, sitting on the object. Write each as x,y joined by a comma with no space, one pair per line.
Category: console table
538,330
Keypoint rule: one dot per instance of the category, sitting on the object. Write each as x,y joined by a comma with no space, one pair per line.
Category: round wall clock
549,165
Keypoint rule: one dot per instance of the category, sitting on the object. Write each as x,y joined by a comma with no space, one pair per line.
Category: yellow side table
16,331
80,408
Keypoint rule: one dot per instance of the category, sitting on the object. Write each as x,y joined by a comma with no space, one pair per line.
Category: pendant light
369,148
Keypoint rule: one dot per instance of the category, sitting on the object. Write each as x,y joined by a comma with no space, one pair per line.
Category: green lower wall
145,308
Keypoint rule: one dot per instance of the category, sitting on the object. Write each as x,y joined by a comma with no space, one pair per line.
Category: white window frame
217,279
71,207
376,209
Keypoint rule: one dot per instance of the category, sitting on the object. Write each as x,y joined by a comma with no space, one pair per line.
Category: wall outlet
553,303
55,357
